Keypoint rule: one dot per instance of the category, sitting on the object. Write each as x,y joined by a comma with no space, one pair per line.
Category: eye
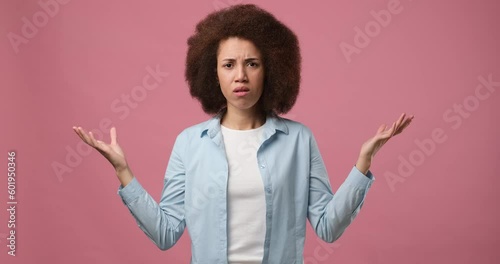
253,64
227,65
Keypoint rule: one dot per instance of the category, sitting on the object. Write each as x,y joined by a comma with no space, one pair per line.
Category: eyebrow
246,60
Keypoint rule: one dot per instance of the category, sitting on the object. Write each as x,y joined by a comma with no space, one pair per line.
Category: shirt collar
273,124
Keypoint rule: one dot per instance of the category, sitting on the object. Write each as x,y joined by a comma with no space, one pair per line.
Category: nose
241,75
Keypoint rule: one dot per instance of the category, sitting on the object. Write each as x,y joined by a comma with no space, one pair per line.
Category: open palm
112,152
373,145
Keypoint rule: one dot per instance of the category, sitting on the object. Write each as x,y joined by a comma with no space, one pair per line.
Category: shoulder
195,130
294,127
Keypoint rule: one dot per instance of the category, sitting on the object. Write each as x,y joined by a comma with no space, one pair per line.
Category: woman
246,180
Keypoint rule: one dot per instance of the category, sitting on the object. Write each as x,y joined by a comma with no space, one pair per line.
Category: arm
163,223
330,214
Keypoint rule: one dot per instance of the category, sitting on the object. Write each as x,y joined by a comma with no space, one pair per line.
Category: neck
243,119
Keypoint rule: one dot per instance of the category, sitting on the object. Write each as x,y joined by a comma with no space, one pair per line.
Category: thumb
112,133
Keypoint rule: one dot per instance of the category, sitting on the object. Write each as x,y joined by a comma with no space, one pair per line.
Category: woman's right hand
112,152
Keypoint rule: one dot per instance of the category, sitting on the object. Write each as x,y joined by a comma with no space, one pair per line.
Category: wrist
363,164
124,175
122,168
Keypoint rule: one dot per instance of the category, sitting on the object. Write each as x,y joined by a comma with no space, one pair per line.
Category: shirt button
262,166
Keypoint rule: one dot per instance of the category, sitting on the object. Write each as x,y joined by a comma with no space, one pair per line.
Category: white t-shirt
246,205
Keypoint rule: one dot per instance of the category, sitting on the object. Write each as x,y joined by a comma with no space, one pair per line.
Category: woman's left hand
384,133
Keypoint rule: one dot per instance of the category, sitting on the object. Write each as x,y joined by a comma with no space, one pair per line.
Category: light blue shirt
296,188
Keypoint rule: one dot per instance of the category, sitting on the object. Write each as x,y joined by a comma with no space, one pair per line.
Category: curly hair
277,43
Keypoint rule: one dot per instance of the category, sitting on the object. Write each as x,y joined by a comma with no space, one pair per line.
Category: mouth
241,91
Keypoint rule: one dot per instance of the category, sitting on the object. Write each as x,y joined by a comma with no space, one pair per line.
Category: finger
99,145
78,133
393,129
381,129
386,133
404,125
96,143
112,132
84,136
76,130
89,138
400,120
407,123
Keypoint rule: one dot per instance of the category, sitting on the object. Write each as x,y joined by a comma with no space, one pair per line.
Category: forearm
125,175
341,210
159,222
363,164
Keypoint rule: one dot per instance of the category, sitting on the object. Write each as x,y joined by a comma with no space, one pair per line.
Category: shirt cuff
131,191
357,179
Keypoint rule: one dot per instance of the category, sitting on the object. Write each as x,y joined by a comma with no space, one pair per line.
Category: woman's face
240,72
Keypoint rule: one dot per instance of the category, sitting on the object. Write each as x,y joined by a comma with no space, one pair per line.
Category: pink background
427,59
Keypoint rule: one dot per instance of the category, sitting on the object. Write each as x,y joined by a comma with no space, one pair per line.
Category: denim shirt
296,187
